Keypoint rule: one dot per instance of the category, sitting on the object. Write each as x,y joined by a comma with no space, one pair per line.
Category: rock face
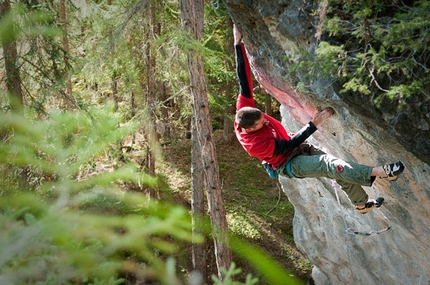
275,31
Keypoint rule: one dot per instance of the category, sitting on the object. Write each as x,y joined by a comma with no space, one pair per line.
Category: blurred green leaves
60,145
69,228
32,22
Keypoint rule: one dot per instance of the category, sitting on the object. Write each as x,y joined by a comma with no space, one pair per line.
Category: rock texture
274,31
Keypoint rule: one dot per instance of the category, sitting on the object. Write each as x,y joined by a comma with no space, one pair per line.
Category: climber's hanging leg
349,230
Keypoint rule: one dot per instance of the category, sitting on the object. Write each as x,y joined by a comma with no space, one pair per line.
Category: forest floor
257,209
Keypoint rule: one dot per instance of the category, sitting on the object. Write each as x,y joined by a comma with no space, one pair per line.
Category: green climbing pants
308,161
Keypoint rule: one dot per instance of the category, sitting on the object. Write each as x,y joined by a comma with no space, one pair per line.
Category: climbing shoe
372,203
393,170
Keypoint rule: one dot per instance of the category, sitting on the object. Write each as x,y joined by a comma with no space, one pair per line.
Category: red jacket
261,143
271,143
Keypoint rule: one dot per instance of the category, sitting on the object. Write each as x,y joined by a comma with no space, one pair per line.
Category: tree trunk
198,205
165,111
228,130
151,29
114,82
203,145
268,105
13,79
63,20
114,89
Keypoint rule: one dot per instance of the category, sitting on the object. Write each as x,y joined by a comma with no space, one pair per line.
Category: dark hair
247,116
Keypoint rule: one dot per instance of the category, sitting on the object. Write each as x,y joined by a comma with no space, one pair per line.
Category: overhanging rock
274,32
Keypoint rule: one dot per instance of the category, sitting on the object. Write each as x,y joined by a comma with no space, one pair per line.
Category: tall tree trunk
151,29
198,204
13,79
192,14
114,79
63,20
165,111
228,130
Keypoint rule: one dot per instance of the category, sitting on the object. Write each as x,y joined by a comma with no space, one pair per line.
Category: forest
95,99
119,163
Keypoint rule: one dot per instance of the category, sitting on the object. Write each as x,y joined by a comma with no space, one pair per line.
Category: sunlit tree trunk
204,154
197,204
13,79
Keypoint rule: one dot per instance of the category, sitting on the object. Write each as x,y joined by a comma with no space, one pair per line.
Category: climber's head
251,119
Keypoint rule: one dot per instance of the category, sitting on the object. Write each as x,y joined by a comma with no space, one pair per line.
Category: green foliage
229,275
72,138
71,246
42,57
218,36
69,228
32,22
218,105
333,26
375,48
107,52
273,271
219,63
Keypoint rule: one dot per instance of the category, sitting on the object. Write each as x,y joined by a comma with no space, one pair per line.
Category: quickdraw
371,233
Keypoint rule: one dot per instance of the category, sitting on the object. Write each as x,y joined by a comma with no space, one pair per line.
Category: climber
265,138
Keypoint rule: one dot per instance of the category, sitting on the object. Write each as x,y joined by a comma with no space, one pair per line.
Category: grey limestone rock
274,31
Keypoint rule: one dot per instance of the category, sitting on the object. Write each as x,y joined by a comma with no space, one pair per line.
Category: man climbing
265,138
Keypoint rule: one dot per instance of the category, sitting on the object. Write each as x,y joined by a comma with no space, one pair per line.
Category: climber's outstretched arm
243,70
